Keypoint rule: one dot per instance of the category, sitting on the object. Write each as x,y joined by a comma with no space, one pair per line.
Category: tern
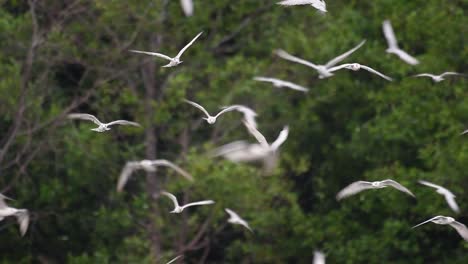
438,78
149,166
211,119
249,114
319,257
174,259
323,70
235,219
178,209
393,46
187,7
318,4
357,67
280,83
172,61
22,215
449,196
102,126
360,186
445,220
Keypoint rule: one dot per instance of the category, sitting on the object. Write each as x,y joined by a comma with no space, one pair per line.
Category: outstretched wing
260,138
125,174
227,109
166,163
283,54
231,213
343,56
283,135
461,229
198,203
84,117
295,2
198,106
389,34
339,67
353,188
369,69
124,123
451,73
172,197
431,185
265,79
294,86
23,221
397,186
160,55
425,75
452,203
427,221
174,259
406,57
187,46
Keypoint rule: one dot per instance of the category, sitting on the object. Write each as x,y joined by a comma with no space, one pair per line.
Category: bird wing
353,188
406,57
343,56
160,55
461,229
294,86
452,203
198,106
425,75
397,186
166,163
226,109
450,73
188,45
283,54
123,123
253,131
283,135
265,79
389,34
174,259
125,174
427,221
369,69
172,197
23,221
231,213
198,203
85,117
319,257
228,148
295,2
187,7
339,67
432,185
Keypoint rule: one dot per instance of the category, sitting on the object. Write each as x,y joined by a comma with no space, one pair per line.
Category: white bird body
22,215
209,118
449,196
437,78
149,166
318,4
323,70
280,83
172,61
319,257
187,7
102,127
357,67
445,220
235,219
393,45
359,186
178,209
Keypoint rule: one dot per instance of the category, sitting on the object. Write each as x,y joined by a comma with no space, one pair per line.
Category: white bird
235,219
22,215
179,209
172,61
449,196
319,257
393,45
174,259
318,4
438,78
249,114
283,135
445,220
149,166
323,70
211,119
102,126
360,186
280,83
357,67
187,7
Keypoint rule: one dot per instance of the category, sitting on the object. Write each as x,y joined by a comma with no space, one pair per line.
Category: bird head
355,66
211,120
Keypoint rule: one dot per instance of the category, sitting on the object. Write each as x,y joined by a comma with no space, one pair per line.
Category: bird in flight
235,219
178,208
22,215
393,45
359,186
283,135
438,78
357,67
172,61
149,166
318,4
187,7
102,126
174,259
449,196
209,118
445,220
280,83
319,257
323,70
249,114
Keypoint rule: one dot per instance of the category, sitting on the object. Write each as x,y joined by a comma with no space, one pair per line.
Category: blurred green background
67,56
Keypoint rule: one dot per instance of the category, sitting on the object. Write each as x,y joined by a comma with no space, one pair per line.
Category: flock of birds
242,151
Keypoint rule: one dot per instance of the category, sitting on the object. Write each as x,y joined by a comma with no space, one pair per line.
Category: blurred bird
283,135
357,67
102,126
249,114
360,186
172,61
234,218
318,4
187,7
22,215
149,166
179,209
449,196
211,119
445,220
319,257
393,45
438,78
280,83
323,70
174,259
